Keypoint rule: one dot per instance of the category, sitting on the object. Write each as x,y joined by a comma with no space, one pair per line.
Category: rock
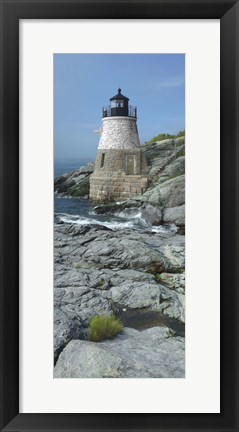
73,308
175,215
174,256
116,207
76,183
120,251
151,214
138,295
94,278
81,302
80,188
57,220
86,169
171,193
151,353
174,307
162,150
98,248
65,328
92,257
174,281
63,183
174,169
111,254
164,159
96,267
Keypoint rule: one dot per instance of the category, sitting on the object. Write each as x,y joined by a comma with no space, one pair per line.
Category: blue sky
83,83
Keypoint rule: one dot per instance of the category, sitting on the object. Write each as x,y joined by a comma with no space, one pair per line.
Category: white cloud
171,82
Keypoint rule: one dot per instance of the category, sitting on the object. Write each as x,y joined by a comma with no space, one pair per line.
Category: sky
84,83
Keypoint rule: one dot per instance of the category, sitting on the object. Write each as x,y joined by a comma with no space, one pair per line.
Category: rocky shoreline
98,268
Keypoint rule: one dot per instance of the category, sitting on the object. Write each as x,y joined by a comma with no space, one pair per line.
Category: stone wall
113,187
119,133
110,180
114,161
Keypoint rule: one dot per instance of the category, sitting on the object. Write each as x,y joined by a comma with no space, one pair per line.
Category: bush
164,136
104,327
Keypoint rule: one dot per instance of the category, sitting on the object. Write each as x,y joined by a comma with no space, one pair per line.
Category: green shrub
104,327
164,136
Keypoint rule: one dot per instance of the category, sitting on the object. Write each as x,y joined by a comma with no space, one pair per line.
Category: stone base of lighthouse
118,175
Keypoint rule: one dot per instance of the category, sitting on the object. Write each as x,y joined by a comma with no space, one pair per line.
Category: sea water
81,212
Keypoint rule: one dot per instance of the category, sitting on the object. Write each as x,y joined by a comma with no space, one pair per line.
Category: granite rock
151,353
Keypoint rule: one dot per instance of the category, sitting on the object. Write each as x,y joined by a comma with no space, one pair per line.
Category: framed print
119,259
125,240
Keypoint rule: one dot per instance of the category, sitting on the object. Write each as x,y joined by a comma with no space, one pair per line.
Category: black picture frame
11,12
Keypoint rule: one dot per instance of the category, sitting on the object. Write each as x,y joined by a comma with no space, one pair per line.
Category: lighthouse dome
119,96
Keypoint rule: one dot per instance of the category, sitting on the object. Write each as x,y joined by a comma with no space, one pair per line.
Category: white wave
164,229
135,223
127,213
87,221
65,217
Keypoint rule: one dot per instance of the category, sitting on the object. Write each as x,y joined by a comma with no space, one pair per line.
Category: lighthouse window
117,103
102,160
120,103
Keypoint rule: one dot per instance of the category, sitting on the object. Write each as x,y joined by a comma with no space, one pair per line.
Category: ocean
63,166
81,212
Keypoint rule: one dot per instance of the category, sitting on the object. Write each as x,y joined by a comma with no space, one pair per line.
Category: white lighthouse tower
120,168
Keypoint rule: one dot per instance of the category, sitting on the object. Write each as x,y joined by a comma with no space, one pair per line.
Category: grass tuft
104,327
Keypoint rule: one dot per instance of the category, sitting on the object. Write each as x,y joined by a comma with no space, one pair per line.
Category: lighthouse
120,167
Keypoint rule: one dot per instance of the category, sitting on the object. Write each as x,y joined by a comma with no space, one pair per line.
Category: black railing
132,111
112,112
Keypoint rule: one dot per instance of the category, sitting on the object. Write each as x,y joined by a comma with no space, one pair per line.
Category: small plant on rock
158,278
156,268
104,327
